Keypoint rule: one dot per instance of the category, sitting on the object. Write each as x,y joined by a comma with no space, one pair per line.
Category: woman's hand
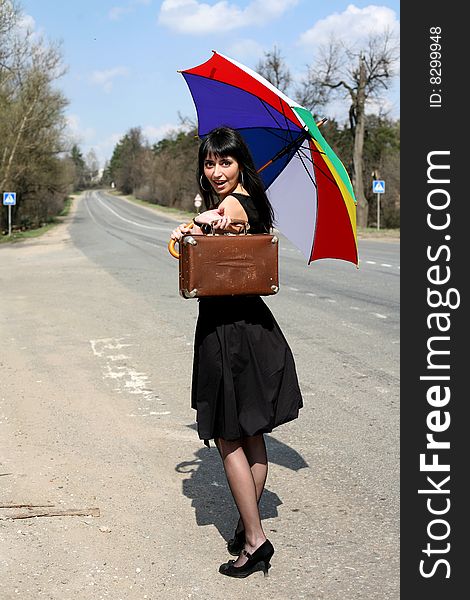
218,220
223,222
209,216
178,233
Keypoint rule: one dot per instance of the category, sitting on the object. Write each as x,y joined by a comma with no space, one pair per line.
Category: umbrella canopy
306,183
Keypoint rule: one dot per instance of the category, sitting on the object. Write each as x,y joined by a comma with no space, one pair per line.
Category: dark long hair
225,141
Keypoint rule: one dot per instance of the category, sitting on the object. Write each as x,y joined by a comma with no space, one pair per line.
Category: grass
18,236
176,212
373,232
67,206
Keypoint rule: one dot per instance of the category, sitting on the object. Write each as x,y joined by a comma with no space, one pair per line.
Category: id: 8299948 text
435,67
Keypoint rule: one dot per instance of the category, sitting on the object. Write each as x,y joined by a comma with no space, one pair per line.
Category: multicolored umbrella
307,184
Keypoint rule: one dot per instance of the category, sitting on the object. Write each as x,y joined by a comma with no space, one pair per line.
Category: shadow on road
210,494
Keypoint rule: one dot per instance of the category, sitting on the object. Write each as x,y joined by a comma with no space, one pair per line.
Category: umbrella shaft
265,165
302,136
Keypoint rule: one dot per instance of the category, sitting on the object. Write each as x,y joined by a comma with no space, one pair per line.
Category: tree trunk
359,130
19,134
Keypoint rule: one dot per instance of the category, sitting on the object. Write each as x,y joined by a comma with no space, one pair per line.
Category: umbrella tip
321,122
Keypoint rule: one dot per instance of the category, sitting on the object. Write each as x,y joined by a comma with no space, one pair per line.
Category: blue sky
122,56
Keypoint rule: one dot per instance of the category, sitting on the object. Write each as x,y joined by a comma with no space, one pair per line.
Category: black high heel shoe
258,561
237,543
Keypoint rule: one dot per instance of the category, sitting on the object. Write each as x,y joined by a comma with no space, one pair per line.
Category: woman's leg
243,488
255,452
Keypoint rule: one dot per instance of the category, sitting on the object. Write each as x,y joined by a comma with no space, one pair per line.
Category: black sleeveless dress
244,378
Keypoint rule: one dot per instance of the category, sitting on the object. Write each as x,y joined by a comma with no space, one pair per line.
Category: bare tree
273,68
92,166
31,120
34,107
186,123
9,17
360,75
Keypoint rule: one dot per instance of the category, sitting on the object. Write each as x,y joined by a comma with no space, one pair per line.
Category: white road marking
379,316
107,344
119,357
91,215
126,378
155,228
354,328
373,262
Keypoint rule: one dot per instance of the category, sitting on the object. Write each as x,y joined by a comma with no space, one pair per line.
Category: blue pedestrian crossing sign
378,186
9,198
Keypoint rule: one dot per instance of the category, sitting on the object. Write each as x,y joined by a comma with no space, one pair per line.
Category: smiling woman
244,381
223,173
224,157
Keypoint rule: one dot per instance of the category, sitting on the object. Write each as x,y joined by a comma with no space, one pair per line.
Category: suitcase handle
171,244
245,224
176,254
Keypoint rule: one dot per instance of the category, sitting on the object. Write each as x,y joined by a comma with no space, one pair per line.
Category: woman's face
223,173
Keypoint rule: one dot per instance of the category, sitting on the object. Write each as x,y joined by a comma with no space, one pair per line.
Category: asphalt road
95,316
342,322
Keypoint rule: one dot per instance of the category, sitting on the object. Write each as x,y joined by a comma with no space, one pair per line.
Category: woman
244,378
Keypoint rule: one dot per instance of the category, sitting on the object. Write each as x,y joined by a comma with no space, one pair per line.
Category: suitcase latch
188,239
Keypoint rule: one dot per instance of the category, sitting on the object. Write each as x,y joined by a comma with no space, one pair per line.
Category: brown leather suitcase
228,265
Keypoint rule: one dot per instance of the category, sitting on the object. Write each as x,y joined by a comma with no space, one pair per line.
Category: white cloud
105,148
338,108
194,17
352,25
383,106
152,133
26,23
86,137
155,133
243,49
116,12
77,131
105,78
26,26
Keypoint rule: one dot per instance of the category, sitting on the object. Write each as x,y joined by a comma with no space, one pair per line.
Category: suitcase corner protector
189,294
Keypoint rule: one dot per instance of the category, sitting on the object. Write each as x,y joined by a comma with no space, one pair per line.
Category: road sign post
378,187
9,199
